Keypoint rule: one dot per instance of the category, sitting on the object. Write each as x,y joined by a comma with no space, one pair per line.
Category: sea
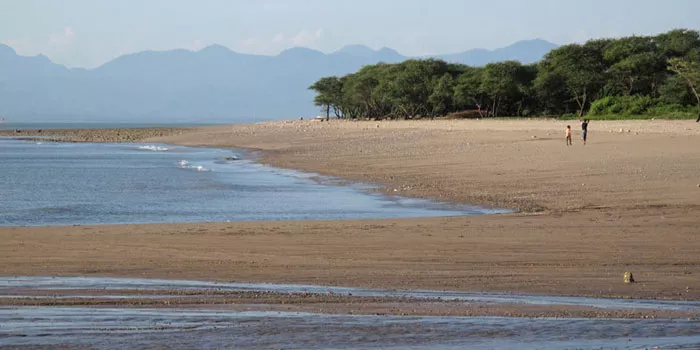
52,183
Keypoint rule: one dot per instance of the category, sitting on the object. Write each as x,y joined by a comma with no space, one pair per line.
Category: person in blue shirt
584,130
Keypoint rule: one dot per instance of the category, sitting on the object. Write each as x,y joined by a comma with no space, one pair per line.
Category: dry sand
628,201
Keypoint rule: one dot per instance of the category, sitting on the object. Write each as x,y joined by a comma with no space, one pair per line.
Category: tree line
654,75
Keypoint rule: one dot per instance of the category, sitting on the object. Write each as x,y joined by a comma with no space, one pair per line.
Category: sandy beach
627,201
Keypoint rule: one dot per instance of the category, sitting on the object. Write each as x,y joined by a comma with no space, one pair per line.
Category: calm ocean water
46,183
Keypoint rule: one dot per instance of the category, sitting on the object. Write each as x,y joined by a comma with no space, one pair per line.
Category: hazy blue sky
87,33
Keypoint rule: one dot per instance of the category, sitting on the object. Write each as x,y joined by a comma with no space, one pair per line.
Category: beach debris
628,278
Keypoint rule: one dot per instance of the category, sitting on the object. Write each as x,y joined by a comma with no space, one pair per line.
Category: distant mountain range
213,85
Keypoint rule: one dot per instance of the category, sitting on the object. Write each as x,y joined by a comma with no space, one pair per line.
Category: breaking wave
154,148
183,164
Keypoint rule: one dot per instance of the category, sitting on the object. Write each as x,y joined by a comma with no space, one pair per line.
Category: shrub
623,105
668,109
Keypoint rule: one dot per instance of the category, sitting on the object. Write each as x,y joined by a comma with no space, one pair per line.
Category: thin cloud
281,41
305,38
62,38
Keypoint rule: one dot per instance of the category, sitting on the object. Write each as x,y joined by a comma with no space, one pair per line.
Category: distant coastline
8,125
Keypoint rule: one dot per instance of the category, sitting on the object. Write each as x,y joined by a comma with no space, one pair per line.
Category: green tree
441,98
635,66
690,72
503,83
329,94
467,90
678,43
638,73
414,85
675,91
631,74
581,70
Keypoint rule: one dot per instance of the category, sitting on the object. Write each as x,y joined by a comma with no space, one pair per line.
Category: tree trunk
520,107
498,105
697,98
337,112
581,101
478,108
631,88
493,108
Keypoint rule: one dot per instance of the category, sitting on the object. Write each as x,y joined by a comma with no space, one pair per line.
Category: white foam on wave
154,148
183,164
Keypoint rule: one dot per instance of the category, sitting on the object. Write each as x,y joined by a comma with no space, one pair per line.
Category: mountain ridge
213,84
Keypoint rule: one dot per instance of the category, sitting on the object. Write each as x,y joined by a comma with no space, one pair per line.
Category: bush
622,105
668,109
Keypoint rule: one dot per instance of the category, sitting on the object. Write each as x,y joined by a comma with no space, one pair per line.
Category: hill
213,85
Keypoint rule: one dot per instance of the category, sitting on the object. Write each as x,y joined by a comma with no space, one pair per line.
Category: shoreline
111,135
430,207
569,239
294,155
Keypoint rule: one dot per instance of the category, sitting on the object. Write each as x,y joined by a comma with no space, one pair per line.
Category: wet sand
132,312
96,135
154,293
108,328
628,201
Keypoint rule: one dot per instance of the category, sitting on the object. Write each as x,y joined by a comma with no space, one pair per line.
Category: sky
88,33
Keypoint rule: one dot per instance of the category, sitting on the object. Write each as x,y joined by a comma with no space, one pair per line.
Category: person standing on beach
584,130
568,136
